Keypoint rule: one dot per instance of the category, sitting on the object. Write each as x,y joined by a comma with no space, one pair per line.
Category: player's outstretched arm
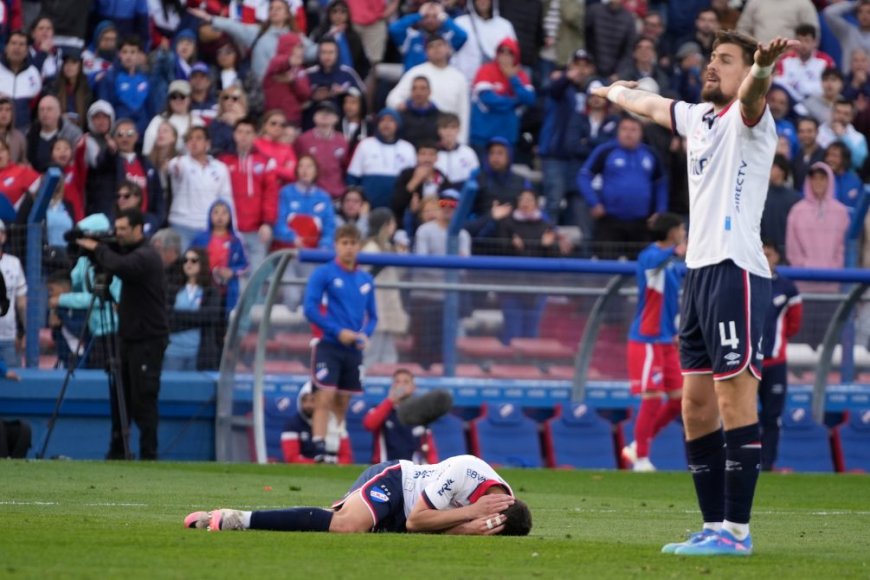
753,91
643,103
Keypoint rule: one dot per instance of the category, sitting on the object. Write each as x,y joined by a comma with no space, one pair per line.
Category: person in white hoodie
198,180
486,29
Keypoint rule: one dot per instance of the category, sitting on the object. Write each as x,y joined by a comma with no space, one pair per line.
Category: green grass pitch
67,519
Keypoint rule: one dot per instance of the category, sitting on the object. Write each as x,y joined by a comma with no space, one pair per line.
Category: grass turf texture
99,520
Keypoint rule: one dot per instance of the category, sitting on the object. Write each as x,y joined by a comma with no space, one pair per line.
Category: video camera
75,234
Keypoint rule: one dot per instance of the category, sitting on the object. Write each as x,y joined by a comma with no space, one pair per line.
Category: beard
714,95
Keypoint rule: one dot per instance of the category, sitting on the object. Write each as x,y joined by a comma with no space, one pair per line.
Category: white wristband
761,72
613,94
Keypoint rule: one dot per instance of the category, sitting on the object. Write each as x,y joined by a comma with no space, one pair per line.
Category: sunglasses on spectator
279,123
231,97
177,96
191,260
125,195
127,133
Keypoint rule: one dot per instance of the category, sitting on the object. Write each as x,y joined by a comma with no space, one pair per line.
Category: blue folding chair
448,434
804,445
504,436
578,437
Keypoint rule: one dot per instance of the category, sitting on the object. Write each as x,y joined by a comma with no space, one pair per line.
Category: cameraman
143,327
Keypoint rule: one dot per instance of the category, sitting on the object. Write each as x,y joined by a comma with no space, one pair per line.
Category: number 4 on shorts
730,339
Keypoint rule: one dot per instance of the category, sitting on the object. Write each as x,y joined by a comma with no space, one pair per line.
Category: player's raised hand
603,91
490,504
768,54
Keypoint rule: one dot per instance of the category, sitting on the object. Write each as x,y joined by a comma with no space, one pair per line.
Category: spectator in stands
232,107
447,85
101,53
195,314
378,160
456,160
271,144
527,18
261,40
687,72
73,192
857,82
59,215
126,86
285,86
767,19
183,55
840,128
633,189
778,204
653,27
410,33
427,306
355,122
393,439
644,64
392,318
130,195
808,152
415,184
353,209
130,17
800,71
329,79
198,180
337,25
164,151
43,53
851,37
306,218
15,140
231,70
610,34
226,253
11,18
103,320
167,243
328,147
12,323
704,32
177,113
817,224
19,79
486,29
49,127
498,95
255,192
527,232
498,186
369,18
563,29
17,179
780,105
72,89
296,443
782,322
419,114
202,101
847,184
820,106
95,159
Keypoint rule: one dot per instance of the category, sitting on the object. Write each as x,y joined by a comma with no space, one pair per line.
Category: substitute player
460,495
731,140
653,361
340,303
783,321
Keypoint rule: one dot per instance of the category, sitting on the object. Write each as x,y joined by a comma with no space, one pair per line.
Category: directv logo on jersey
738,188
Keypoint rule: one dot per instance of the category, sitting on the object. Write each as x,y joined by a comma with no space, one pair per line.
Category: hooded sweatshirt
377,163
498,101
484,36
255,188
263,46
24,87
225,251
288,97
306,217
816,228
96,62
130,17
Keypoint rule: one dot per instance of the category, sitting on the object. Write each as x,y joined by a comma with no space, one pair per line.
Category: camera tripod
109,345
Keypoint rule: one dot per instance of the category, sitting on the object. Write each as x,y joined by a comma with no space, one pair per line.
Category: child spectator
336,25
226,253
271,144
416,184
306,218
353,209
455,160
355,123
101,53
14,139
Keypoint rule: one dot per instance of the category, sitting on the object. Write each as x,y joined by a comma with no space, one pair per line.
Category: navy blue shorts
722,321
336,367
380,487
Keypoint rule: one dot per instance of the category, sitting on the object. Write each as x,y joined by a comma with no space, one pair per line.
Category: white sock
713,526
739,531
246,520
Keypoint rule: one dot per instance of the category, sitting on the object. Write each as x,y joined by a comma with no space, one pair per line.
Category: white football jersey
729,170
455,482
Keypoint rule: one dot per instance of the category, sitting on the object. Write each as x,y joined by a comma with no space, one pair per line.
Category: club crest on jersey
379,496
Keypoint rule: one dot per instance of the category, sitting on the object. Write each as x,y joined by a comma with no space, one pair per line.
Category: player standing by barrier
731,142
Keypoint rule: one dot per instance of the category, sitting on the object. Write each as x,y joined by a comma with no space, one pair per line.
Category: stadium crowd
244,126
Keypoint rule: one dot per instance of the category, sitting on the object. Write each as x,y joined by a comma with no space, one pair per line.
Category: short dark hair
519,519
403,371
246,121
780,160
132,40
841,100
748,45
832,71
20,33
769,243
354,189
59,277
132,186
805,29
427,144
663,224
421,78
133,215
347,231
845,152
644,39
447,119
196,129
807,120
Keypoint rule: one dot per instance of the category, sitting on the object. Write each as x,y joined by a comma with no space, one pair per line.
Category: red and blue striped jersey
658,295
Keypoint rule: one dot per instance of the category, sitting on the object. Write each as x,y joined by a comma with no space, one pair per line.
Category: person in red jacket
328,147
296,444
272,144
15,179
255,191
286,86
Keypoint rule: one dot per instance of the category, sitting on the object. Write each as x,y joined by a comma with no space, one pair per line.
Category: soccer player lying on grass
461,495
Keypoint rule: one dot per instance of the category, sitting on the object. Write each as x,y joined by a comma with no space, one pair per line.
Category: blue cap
200,67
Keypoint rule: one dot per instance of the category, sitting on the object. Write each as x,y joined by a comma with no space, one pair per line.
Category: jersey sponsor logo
445,487
779,300
379,496
423,473
697,165
473,474
738,186
365,288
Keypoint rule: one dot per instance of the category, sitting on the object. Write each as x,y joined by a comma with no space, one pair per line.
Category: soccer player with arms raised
731,140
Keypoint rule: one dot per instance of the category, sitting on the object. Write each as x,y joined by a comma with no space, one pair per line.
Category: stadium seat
483,347
448,434
520,372
360,440
276,412
579,438
668,450
561,372
853,442
465,370
504,436
804,445
542,349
